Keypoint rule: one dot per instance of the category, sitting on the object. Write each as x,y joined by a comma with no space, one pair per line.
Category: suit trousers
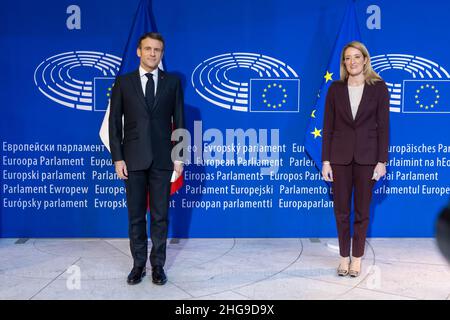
155,183
347,178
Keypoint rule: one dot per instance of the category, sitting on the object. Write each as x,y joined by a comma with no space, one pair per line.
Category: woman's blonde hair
370,75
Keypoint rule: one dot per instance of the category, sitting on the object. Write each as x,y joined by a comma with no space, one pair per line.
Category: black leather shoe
158,275
136,275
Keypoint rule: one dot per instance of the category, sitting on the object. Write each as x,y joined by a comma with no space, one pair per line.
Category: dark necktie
150,90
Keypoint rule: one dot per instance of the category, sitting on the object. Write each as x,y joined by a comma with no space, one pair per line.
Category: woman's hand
327,172
379,171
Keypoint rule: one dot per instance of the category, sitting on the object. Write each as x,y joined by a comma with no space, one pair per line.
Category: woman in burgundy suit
355,148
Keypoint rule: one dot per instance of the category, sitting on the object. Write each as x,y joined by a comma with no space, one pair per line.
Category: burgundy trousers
346,179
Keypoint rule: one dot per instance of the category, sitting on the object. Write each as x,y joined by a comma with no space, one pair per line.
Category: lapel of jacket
347,107
160,88
365,97
136,79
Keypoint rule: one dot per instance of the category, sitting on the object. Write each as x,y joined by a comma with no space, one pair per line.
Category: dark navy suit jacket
147,129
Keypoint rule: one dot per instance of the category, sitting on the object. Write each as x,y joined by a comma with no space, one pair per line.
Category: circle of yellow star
427,106
274,104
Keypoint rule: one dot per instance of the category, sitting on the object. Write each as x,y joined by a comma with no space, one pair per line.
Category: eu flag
274,95
426,96
102,92
313,137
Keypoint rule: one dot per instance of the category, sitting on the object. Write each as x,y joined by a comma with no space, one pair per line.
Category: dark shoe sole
137,281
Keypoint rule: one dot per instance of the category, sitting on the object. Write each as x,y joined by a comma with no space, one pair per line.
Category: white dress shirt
144,78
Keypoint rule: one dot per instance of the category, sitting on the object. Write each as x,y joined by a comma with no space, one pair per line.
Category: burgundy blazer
364,139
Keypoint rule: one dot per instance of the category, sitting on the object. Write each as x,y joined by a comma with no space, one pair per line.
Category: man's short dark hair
151,35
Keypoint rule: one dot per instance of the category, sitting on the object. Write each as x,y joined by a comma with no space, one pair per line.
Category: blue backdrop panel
247,67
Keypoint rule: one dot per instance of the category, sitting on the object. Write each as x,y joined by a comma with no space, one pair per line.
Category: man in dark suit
150,102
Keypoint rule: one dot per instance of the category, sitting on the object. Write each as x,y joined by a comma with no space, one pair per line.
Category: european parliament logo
247,82
415,84
80,80
426,96
269,95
